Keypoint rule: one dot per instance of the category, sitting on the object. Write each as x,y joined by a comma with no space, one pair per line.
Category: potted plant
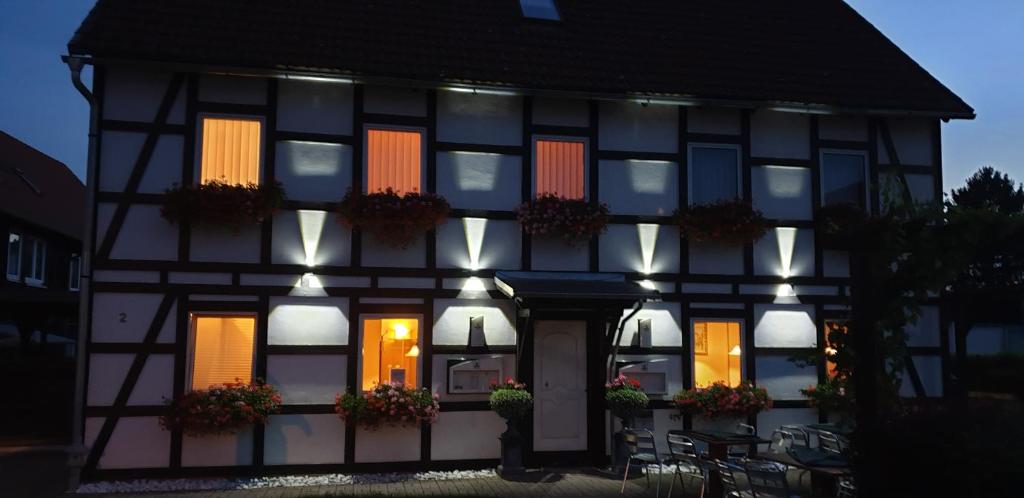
720,400
224,409
392,218
389,404
511,401
574,221
625,399
733,222
221,204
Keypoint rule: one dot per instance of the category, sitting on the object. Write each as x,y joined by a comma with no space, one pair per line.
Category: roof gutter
77,450
320,74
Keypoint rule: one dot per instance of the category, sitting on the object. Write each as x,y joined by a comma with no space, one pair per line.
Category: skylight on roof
540,9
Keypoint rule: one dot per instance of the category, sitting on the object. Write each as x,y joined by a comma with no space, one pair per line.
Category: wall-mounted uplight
308,285
311,226
647,284
475,229
480,91
786,294
648,235
322,79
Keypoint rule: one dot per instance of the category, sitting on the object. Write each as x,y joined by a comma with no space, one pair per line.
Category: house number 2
122,317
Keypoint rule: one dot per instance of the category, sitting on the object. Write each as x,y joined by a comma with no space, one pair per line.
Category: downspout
77,450
618,338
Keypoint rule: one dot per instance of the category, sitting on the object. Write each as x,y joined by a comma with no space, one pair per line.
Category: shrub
220,204
391,404
830,396
722,400
510,399
728,221
575,221
222,409
624,397
392,218
838,224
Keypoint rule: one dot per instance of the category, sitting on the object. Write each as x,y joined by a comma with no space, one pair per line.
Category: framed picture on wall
700,340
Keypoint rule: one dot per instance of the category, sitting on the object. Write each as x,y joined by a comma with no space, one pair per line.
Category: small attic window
540,9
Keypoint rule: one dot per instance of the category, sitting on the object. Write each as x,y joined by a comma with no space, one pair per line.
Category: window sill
14,278
35,283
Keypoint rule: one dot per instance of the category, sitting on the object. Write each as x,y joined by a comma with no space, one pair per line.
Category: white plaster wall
449,435
144,235
784,326
500,246
388,444
779,134
314,107
912,139
782,378
670,365
639,187
107,372
835,263
139,311
452,323
218,450
121,150
666,325
635,127
985,339
782,192
768,257
376,253
769,420
561,112
927,330
136,442
219,244
395,100
550,253
232,89
333,246
714,120
135,95
929,369
922,187
149,277
712,258
308,321
702,288
622,251
406,282
307,379
304,439
852,128
439,384
311,171
475,180
479,118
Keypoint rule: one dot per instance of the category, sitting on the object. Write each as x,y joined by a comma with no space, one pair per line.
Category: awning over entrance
598,289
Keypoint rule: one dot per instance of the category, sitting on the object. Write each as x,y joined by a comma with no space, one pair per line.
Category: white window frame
30,275
560,138
197,173
389,127
362,341
824,171
74,284
14,277
703,145
190,366
743,345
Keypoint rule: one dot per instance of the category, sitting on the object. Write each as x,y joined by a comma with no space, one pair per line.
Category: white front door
560,390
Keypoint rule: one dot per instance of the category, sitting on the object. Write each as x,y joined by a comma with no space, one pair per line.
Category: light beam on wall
311,225
785,237
648,235
475,228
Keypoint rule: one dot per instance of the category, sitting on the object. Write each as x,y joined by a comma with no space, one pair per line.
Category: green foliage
224,409
221,204
624,397
722,400
394,219
990,190
727,221
511,400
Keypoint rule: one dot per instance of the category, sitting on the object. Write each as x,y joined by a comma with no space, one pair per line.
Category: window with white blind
714,172
230,150
844,178
394,159
13,256
560,167
222,349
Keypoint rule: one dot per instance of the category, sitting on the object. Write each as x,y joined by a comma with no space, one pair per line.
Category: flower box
733,222
222,205
721,400
224,409
625,398
391,404
392,218
574,221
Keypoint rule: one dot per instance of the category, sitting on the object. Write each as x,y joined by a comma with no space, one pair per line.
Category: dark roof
584,287
39,189
818,52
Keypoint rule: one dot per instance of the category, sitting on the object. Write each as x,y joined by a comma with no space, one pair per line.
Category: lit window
222,349
14,257
393,160
561,167
717,353
714,174
391,351
539,9
843,179
74,272
231,151
37,265
832,329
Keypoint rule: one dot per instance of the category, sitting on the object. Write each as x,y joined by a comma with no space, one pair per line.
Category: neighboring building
41,203
789,104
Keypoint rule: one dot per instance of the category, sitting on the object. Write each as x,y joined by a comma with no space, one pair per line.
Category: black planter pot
511,450
620,453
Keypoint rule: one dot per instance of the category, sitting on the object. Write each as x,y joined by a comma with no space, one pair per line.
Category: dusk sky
976,48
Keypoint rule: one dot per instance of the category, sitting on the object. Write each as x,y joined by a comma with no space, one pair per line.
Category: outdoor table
824,468
718,448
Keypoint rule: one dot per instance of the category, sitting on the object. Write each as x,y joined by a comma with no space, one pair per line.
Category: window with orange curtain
222,349
717,353
230,151
393,160
832,327
560,167
391,351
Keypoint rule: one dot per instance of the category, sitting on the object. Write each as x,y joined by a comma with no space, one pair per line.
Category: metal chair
684,452
741,452
846,488
781,441
829,442
727,475
767,481
800,435
642,448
